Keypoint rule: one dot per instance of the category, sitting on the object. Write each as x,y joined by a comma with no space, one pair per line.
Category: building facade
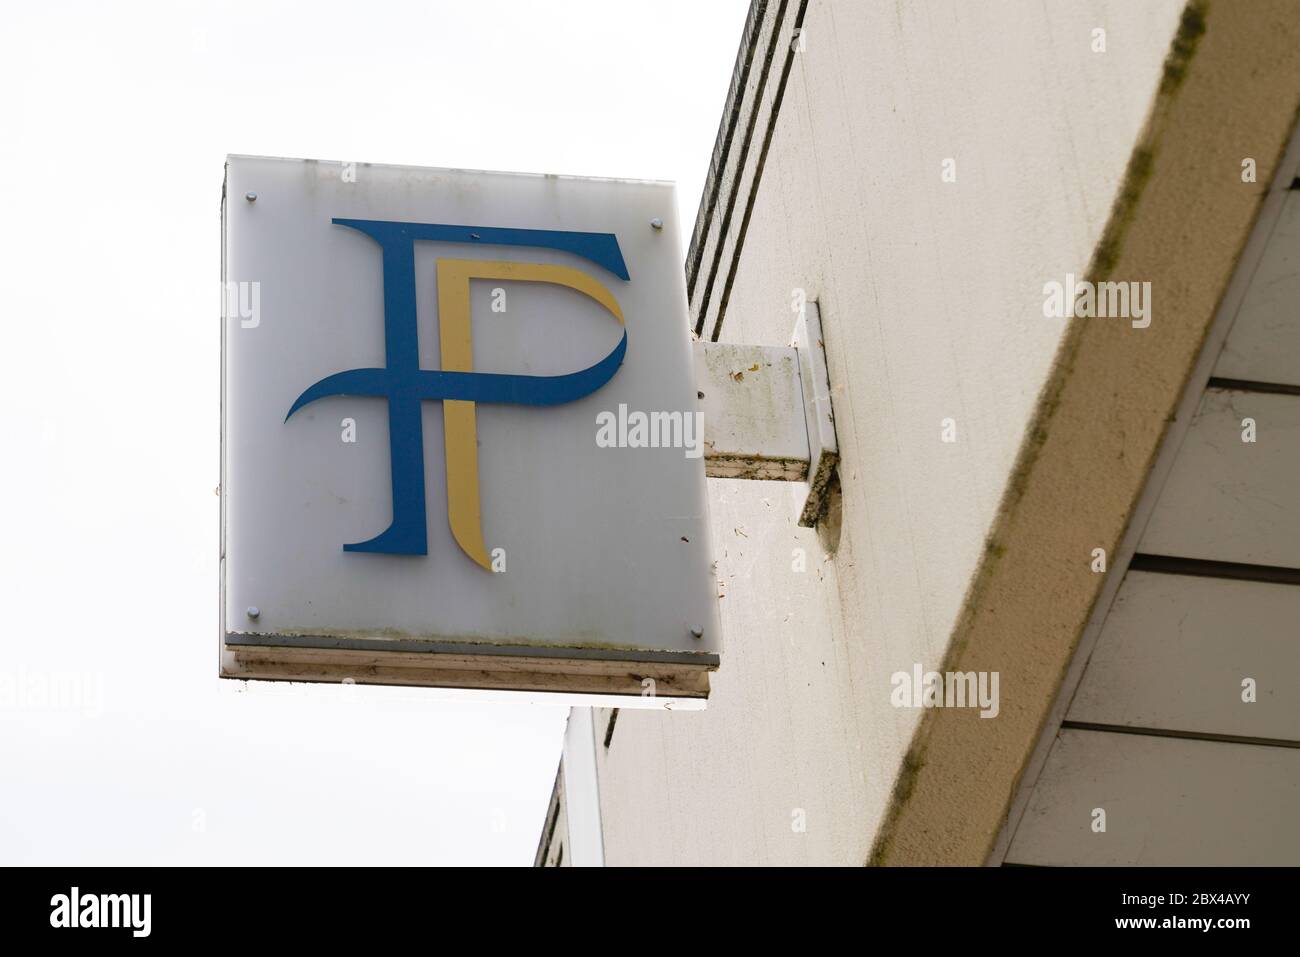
1049,616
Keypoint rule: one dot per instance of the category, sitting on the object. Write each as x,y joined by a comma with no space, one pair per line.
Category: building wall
1183,718
931,298
552,847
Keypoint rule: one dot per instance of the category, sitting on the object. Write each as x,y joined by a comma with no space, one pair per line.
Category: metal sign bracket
767,412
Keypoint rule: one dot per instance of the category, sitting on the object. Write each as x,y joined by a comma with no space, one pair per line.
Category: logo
406,386
102,910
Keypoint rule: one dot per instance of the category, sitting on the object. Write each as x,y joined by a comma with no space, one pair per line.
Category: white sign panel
460,433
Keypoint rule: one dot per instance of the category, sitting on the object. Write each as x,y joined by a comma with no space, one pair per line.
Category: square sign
461,443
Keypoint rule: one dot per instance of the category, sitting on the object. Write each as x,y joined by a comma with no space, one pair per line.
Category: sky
118,743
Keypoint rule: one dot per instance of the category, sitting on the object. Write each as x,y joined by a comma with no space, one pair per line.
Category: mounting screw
253,611
656,223
251,197
697,632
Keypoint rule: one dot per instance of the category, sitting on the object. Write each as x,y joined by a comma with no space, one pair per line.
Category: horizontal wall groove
759,166
735,163
1206,568
1249,385
720,159
1068,725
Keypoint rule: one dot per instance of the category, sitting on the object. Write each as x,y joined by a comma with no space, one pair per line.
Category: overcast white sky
115,120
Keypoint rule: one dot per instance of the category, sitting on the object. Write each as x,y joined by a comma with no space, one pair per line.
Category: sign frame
255,649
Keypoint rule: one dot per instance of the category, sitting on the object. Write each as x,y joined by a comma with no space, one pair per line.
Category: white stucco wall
931,298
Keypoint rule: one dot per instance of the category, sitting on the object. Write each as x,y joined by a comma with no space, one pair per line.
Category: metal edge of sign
612,683
415,167
221,429
465,648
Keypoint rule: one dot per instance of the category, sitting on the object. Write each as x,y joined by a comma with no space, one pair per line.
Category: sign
460,433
